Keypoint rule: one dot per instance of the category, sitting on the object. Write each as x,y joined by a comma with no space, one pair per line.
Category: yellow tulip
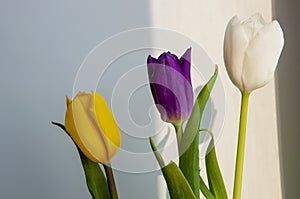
92,126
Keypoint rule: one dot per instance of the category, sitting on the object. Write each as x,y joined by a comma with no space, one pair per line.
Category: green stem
179,132
111,181
241,147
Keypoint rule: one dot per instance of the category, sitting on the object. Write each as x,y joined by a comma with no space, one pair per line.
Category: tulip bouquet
251,52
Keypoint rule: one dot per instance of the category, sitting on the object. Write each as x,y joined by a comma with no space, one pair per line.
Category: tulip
171,87
92,126
251,51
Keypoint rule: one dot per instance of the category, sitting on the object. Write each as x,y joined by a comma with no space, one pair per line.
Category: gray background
42,44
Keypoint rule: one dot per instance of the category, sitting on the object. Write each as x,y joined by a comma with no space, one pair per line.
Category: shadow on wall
288,96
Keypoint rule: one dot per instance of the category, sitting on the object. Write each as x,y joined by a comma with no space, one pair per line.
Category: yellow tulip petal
107,124
72,130
68,101
88,128
92,126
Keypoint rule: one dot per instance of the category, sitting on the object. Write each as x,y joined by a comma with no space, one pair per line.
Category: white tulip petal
235,44
253,25
262,56
256,18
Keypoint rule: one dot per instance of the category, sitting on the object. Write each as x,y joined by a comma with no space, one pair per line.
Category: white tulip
251,51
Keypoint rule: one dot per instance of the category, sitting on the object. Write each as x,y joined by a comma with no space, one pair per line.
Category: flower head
171,87
251,51
92,126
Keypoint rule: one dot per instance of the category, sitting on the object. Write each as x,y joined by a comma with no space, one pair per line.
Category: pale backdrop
42,46
205,22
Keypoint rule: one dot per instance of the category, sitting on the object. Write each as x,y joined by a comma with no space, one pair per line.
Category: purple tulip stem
179,132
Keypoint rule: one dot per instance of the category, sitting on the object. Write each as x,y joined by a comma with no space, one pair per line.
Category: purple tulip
171,87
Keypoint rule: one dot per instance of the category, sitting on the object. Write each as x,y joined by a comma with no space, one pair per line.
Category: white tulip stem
241,147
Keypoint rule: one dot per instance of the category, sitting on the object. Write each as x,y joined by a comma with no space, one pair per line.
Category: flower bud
92,126
251,51
171,87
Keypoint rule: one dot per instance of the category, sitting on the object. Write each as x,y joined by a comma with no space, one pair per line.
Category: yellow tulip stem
111,181
241,147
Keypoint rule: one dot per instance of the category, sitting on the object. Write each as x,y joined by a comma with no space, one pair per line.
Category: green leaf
189,165
95,179
189,159
206,192
177,184
214,175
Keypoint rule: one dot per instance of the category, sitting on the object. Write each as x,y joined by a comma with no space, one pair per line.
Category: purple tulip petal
168,102
170,85
186,64
151,66
169,59
151,60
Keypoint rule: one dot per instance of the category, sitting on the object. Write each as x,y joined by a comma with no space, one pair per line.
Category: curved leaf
214,175
189,160
95,179
178,186
204,189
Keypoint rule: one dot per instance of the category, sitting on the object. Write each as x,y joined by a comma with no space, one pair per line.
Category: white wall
205,22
